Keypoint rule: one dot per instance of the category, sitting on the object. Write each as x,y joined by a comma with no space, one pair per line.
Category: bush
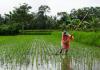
9,29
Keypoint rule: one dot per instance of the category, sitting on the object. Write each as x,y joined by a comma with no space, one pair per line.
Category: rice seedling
38,52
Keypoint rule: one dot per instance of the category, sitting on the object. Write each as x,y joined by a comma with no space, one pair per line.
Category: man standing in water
65,42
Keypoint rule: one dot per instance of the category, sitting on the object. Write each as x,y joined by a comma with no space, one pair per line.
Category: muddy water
42,57
58,62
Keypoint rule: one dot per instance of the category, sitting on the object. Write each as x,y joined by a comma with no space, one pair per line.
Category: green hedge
8,29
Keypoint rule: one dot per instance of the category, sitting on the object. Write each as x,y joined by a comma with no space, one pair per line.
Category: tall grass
90,38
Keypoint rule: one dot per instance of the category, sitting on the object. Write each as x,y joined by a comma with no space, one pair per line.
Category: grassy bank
90,38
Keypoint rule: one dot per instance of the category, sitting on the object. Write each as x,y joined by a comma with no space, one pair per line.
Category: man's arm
72,37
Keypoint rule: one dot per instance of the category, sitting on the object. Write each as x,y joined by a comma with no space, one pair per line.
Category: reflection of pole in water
65,64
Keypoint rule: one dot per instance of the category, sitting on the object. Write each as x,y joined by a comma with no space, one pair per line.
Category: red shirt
66,44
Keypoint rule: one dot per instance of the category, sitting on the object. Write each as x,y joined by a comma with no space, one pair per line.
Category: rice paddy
37,52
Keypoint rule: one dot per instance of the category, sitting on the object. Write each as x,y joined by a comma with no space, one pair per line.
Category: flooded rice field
40,55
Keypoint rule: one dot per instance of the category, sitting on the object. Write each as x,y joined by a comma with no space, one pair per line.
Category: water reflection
66,63
51,62
41,57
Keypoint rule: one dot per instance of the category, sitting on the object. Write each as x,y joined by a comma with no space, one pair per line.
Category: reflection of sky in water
43,60
58,62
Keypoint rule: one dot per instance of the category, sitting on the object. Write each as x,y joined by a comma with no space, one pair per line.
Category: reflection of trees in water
66,63
79,63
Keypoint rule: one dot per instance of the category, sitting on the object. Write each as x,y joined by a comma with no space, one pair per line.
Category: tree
43,9
75,23
88,16
20,15
64,19
41,20
95,24
1,20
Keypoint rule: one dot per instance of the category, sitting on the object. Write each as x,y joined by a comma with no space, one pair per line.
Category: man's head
66,33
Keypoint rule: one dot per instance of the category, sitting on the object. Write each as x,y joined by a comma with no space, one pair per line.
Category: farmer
65,42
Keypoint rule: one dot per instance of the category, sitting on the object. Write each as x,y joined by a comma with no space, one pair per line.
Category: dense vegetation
36,52
84,19
89,38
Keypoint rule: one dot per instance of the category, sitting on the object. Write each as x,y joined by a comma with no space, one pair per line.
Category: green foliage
89,18
9,29
43,21
64,20
74,24
36,50
1,19
36,32
20,15
83,19
90,38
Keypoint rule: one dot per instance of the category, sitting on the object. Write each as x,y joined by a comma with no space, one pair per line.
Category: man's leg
66,51
61,50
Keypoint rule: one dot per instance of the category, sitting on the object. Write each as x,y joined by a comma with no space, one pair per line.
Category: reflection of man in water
65,65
